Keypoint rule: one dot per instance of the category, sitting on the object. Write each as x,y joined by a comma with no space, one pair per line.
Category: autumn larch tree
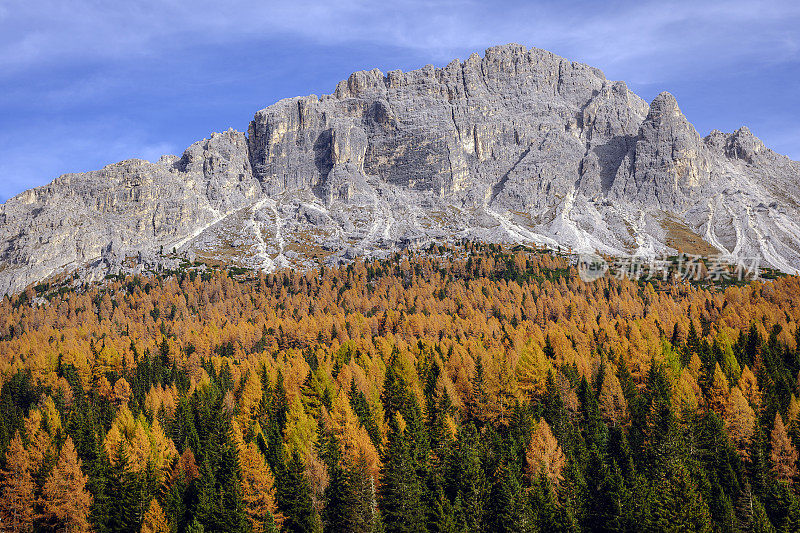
739,420
154,520
65,500
612,401
783,454
122,391
718,391
258,494
544,455
16,499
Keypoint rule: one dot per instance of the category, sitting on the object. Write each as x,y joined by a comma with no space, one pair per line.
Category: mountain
518,145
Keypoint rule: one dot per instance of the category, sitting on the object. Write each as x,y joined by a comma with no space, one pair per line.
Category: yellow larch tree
544,454
155,521
531,370
40,442
122,391
250,399
145,443
740,420
718,391
16,489
353,437
613,405
749,385
300,433
686,395
258,492
783,454
65,501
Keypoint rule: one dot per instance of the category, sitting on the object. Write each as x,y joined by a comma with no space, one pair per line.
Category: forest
460,388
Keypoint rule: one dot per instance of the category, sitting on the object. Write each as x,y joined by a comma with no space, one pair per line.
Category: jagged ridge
518,145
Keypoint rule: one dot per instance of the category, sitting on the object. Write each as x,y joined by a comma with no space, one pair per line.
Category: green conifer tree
400,494
293,496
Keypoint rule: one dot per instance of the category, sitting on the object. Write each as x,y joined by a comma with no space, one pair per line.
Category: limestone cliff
518,145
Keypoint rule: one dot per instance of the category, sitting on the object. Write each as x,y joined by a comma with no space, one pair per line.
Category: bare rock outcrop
518,145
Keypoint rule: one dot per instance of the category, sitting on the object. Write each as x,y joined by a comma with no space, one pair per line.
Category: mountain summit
519,145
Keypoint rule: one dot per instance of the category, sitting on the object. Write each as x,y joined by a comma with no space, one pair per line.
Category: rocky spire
667,163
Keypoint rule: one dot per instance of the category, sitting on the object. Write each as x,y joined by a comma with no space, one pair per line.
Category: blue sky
84,84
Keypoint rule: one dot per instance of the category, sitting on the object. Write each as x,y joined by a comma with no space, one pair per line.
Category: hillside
468,388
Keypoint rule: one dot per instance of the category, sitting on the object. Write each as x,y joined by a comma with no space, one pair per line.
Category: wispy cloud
608,32
644,42
80,61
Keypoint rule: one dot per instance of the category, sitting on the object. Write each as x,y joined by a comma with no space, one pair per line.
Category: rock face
517,146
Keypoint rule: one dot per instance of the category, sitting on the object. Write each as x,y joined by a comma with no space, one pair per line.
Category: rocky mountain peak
516,145
742,144
667,164
664,107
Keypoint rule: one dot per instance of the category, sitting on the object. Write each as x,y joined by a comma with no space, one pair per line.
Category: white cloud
648,42
608,33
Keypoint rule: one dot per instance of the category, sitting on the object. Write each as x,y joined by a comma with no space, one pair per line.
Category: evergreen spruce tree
400,494
676,504
364,495
507,511
195,527
122,495
208,504
349,498
220,506
440,513
720,464
758,464
100,484
760,522
358,401
593,429
553,406
783,507
293,495
340,512
465,482
619,451
609,501
549,352
232,516
547,515
274,422
178,501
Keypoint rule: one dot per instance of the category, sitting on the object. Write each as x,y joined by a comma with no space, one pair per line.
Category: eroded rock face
518,145
666,166
122,209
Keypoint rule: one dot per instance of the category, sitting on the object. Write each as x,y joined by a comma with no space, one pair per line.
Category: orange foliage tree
544,455
65,500
16,498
